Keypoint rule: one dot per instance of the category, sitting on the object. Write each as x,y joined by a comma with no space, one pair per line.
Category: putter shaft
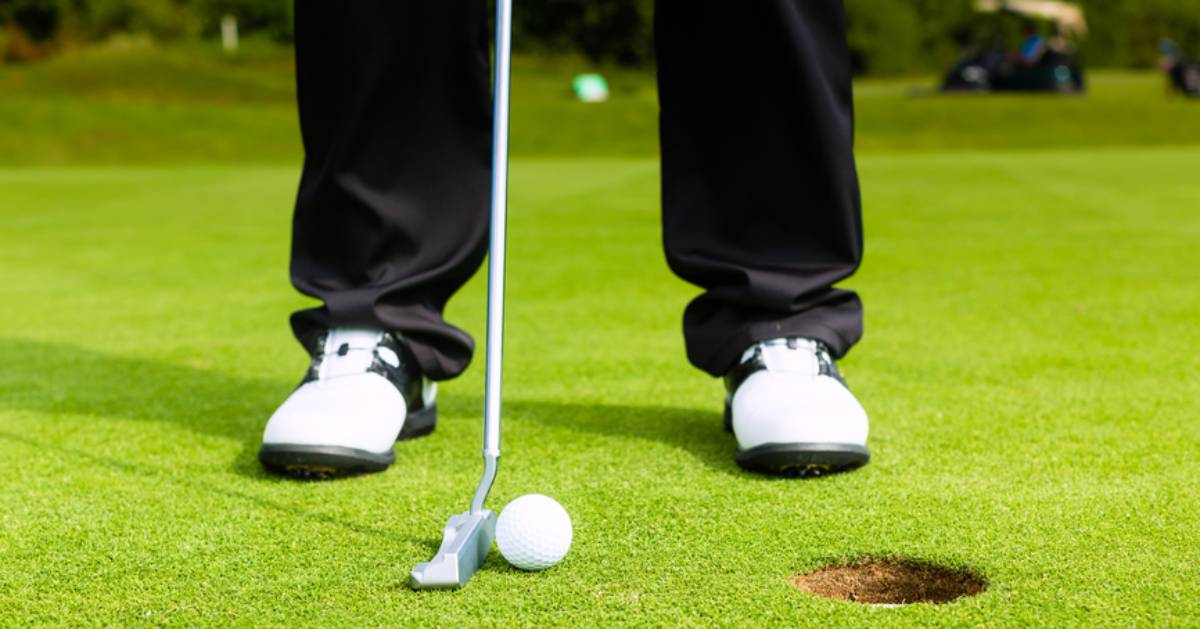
496,255
467,538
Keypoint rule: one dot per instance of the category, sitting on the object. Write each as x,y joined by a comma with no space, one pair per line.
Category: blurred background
888,36
193,80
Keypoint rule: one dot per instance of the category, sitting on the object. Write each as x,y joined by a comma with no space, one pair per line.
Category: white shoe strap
792,356
348,351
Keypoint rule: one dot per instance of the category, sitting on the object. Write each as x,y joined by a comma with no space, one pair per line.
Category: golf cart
1183,73
1039,64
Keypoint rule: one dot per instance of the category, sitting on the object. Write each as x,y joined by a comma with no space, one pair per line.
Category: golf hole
890,582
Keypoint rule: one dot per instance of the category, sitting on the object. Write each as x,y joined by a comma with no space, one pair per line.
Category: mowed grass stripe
1026,368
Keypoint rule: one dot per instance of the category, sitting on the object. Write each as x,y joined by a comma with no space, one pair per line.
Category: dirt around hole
889,582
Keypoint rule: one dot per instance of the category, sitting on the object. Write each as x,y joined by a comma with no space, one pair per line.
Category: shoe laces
351,351
792,355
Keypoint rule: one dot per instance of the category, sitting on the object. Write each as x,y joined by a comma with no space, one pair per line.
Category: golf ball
533,532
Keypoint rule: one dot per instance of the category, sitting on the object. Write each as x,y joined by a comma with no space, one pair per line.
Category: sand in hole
889,582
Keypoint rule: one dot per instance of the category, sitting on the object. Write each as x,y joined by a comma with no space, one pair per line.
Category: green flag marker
590,88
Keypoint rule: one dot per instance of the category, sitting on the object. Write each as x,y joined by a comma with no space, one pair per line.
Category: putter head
466,542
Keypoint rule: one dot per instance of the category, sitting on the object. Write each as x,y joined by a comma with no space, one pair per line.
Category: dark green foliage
271,17
37,19
614,30
1127,33
162,19
886,36
944,28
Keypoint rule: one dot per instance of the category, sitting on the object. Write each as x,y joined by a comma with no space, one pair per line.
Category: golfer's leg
761,210
760,194
390,221
390,218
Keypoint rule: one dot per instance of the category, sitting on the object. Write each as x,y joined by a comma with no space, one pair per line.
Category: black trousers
760,194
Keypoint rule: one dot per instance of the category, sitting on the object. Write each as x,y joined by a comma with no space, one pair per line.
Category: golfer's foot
792,413
362,393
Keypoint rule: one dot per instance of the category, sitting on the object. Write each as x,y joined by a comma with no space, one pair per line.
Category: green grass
1029,368
139,104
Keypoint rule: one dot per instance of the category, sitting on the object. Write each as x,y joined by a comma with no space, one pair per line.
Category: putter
467,538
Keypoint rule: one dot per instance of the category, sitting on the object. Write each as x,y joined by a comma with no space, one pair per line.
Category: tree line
886,36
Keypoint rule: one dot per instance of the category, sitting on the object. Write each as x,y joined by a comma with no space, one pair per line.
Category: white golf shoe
792,412
363,392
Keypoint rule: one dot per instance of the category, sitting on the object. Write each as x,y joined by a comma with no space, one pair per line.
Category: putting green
1029,367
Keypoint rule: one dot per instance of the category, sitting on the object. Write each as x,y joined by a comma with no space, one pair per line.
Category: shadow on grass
63,379
57,378
60,379
158,474
701,434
